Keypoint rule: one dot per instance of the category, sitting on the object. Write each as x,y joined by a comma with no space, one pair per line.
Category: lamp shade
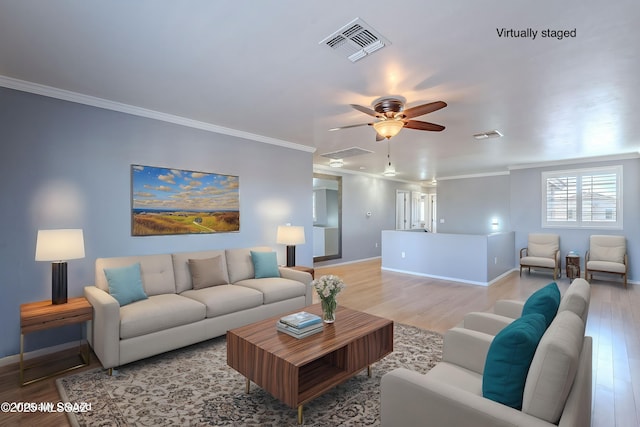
388,128
290,235
59,245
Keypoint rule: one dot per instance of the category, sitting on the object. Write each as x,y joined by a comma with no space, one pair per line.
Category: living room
69,150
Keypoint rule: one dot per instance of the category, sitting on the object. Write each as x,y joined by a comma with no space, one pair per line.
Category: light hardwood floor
614,324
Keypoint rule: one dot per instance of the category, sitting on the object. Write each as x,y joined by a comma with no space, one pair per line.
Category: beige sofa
175,314
576,298
557,389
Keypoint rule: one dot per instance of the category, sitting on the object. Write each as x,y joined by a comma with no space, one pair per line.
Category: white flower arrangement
328,286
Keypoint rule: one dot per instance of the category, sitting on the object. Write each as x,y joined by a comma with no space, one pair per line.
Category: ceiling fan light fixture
388,128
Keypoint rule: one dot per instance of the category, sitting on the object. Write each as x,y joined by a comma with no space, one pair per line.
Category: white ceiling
258,67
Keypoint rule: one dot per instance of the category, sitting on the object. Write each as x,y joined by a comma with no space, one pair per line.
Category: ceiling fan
393,117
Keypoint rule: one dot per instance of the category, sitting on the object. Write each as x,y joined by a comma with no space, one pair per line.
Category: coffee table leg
300,416
369,371
248,387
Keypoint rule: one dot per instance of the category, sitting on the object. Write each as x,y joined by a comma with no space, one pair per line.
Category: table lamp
290,235
59,246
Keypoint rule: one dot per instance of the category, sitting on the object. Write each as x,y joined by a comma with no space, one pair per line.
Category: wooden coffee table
296,371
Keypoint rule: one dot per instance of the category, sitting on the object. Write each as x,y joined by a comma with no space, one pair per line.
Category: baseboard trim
322,263
15,359
433,276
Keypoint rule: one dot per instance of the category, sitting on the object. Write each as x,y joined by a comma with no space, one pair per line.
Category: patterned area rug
194,386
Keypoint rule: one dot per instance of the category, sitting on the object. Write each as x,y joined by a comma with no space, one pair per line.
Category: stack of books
300,324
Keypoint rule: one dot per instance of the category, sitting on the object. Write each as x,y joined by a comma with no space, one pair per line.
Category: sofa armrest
489,323
104,331
466,348
409,398
302,277
509,308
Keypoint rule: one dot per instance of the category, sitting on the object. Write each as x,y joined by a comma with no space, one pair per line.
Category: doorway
327,217
433,213
403,209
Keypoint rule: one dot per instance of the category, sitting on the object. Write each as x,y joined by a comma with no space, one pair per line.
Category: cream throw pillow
207,272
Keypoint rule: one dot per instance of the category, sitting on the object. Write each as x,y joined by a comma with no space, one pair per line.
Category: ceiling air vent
348,152
489,134
356,40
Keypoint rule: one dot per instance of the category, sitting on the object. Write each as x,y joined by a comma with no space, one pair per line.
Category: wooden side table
572,266
41,315
309,270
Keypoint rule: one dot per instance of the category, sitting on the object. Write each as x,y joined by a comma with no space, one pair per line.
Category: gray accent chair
542,251
607,254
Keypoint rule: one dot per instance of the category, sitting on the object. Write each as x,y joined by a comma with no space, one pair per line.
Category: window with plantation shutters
584,198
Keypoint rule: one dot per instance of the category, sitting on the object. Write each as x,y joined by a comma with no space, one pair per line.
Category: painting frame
168,201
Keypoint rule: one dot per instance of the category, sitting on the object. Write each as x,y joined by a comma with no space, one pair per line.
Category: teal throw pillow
125,284
265,264
508,360
544,301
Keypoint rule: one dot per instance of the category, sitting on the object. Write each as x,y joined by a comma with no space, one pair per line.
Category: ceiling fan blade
423,109
365,110
416,124
350,126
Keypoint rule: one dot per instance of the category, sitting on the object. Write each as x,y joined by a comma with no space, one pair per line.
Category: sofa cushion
125,284
544,301
156,272
457,377
275,289
239,264
158,313
265,264
554,367
225,299
577,298
181,269
207,272
508,360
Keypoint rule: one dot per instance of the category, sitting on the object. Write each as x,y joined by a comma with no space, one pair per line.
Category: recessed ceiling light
488,134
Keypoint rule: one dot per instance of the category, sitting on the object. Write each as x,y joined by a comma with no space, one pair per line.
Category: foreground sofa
576,298
450,394
174,314
556,380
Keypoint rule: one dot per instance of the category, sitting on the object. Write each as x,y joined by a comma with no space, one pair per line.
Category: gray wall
468,204
526,212
66,165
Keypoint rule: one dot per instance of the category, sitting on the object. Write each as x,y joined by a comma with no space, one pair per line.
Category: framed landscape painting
172,201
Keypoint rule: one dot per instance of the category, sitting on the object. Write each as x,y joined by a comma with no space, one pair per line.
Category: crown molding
475,175
610,157
340,171
78,98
